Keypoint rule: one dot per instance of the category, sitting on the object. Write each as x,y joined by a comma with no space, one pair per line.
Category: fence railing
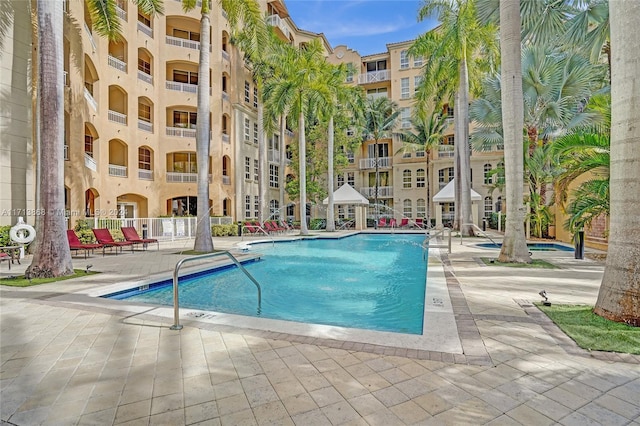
370,163
181,132
145,77
117,63
183,42
89,97
161,228
145,125
145,29
118,171
383,191
90,162
117,117
145,174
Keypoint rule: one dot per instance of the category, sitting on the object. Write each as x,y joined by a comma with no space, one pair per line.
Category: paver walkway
65,363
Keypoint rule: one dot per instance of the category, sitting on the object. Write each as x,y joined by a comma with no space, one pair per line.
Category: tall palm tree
297,88
380,118
52,256
248,12
457,54
429,129
619,296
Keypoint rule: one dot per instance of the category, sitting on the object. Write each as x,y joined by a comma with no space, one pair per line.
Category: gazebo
346,195
447,195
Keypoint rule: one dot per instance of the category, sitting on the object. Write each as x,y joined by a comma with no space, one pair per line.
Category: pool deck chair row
130,234
76,245
105,240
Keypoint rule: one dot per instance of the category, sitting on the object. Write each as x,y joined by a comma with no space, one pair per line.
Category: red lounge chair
76,244
420,223
130,234
382,222
272,226
393,223
104,237
251,228
404,223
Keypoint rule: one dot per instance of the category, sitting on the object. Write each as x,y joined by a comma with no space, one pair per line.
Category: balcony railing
181,132
183,42
144,29
66,152
117,117
145,174
370,163
276,21
121,13
89,97
383,191
88,30
117,63
288,133
225,55
374,77
273,156
145,77
118,171
225,96
225,138
175,177
182,87
145,125
226,180
445,151
90,162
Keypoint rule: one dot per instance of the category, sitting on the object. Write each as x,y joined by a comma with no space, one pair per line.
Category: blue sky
364,25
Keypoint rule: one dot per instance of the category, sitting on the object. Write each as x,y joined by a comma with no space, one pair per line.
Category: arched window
421,208
487,174
226,207
407,209
274,209
420,178
406,179
488,207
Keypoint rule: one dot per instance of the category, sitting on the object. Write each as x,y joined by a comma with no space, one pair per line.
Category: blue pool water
532,246
366,281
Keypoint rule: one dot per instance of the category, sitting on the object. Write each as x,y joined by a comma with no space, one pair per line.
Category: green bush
85,236
493,221
316,224
5,239
224,230
84,231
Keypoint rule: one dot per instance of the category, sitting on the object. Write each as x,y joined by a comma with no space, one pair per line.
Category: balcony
225,96
117,117
225,138
225,55
118,171
175,177
183,42
226,180
89,97
121,13
370,163
145,174
446,151
90,162
117,63
145,126
273,156
374,77
383,191
181,132
145,29
145,77
276,21
182,87
88,31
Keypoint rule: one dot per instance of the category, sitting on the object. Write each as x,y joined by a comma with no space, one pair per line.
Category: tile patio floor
67,362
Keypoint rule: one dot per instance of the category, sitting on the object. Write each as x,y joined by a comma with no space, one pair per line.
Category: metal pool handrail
176,304
427,239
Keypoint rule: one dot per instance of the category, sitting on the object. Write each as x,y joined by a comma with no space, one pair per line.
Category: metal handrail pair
427,241
176,304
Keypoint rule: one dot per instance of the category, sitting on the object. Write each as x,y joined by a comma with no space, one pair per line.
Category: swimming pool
369,281
532,246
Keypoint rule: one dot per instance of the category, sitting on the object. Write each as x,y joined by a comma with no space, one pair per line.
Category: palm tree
619,296
429,129
52,257
380,118
247,11
297,89
461,47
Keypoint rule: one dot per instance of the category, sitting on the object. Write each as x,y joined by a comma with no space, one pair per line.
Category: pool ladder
176,304
427,241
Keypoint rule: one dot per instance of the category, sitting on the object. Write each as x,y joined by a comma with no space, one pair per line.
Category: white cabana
346,195
447,195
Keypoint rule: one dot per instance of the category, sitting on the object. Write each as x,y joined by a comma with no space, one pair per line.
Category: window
376,93
406,154
256,205
247,92
247,168
420,178
274,209
255,97
407,210
247,206
186,77
185,119
188,35
274,176
351,178
420,154
449,110
406,179
88,145
144,158
340,180
143,18
404,88
255,170
404,60
144,112
417,81
417,62
351,157
488,207
274,142
247,129
405,117
449,140
487,174
144,66
349,77
255,133
421,208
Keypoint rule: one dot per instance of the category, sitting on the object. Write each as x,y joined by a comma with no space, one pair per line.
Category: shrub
5,239
224,230
316,224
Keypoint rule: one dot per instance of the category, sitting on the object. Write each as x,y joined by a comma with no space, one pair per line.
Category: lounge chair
420,223
76,245
251,228
382,222
404,223
393,223
103,236
130,234
272,226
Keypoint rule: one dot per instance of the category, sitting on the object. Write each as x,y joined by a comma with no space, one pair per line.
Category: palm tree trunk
304,230
465,153
53,257
377,208
283,163
619,296
331,223
514,246
263,168
203,242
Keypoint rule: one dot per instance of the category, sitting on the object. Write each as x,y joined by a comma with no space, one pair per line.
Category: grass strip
535,263
21,281
592,332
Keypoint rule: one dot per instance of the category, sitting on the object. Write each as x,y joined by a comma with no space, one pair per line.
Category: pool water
532,246
365,281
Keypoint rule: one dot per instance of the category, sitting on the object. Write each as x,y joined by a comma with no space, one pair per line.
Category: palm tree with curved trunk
380,118
619,296
457,54
245,11
297,89
52,257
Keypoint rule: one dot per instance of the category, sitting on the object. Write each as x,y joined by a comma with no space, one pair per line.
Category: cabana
447,195
346,195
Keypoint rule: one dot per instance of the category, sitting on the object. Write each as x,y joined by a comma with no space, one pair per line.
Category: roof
346,195
447,194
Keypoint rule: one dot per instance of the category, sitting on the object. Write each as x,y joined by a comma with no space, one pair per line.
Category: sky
363,25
